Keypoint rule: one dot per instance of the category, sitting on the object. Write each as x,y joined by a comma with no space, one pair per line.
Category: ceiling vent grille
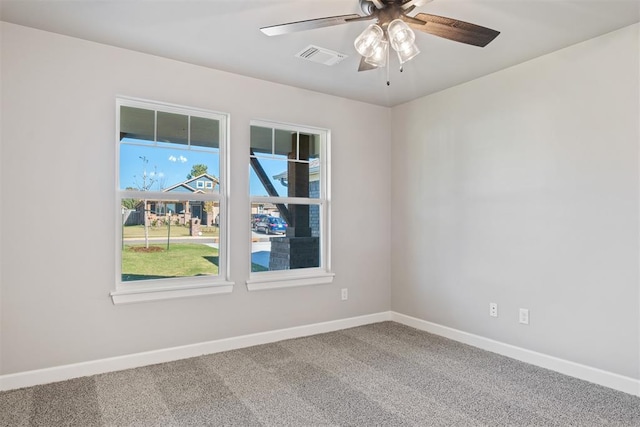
320,55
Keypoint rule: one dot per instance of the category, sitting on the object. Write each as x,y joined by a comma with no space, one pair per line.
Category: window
171,201
289,194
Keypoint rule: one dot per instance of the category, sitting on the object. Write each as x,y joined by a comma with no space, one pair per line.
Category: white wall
521,188
1,208
57,185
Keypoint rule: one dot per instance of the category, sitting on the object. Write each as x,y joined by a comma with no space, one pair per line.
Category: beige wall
521,188
58,105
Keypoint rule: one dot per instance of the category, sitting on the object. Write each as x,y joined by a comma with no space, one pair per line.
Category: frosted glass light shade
368,40
408,53
400,35
380,55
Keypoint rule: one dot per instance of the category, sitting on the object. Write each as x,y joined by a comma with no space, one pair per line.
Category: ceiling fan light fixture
400,35
380,55
408,53
368,40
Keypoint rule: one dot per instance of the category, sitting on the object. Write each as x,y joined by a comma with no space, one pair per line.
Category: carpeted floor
384,374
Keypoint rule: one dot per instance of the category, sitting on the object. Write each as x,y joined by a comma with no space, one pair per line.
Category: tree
209,208
147,183
129,203
197,170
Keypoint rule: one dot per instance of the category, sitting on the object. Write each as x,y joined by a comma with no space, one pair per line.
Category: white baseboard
583,372
76,370
66,372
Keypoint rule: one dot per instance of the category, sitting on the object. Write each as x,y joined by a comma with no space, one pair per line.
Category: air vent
320,55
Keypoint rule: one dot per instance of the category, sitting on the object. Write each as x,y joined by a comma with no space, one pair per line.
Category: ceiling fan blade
415,3
455,30
365,66
311,24
361,18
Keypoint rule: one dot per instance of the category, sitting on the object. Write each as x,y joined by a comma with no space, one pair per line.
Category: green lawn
137,231
182,260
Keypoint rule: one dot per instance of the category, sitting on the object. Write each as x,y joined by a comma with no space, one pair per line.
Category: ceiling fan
393,26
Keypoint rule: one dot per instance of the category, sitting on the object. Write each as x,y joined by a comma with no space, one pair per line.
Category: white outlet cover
493,309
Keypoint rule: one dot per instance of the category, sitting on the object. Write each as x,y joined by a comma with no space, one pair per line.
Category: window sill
278,280
157,293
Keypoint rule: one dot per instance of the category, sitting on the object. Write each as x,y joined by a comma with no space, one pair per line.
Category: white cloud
183,159
172,158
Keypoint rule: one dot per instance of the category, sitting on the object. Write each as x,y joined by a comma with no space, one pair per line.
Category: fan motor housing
367,7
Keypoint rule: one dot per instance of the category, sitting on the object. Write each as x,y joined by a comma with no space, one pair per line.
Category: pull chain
388,60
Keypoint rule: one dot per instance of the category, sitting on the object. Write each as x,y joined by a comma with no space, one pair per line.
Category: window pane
167,168
284,237
205,132
269,171
261,140
173,128
137,124
302,179
286,144
313,142
286,178
168,239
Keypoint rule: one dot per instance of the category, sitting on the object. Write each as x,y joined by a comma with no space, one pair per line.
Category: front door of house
196,211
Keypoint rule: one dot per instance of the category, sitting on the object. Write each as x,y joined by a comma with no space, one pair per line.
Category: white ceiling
224,34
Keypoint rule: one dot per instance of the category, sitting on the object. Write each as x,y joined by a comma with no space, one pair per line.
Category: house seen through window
171,194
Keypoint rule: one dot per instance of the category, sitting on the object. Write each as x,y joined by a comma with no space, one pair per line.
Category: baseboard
583,372
66,372
76,370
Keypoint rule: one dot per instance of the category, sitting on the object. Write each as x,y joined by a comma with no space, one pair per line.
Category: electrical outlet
524,316
345,294
493,309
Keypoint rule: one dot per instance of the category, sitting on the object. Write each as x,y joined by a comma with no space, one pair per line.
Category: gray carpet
384,374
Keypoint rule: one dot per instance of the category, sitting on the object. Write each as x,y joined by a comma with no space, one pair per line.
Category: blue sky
167,166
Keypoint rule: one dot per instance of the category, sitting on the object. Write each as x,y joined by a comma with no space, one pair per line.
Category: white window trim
288,279
151,292
267,280
154,290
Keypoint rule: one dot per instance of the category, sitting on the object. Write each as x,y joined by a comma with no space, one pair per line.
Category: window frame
323,274
161,289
